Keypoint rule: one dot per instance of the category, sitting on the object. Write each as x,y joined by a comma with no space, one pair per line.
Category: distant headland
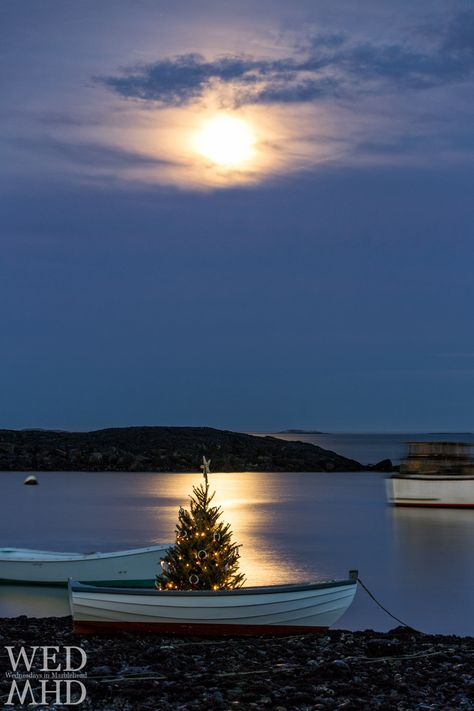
162,449
293,431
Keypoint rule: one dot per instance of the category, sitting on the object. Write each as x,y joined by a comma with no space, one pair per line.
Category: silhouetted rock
158,449
385,465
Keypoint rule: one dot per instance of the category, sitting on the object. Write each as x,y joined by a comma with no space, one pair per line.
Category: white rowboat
274,609
136,567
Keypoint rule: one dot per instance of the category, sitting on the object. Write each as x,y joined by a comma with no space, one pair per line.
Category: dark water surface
372,448
293,527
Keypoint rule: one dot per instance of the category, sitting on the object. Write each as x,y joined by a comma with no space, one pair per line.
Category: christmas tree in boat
200,589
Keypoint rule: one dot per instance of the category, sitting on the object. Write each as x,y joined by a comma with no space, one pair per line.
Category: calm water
372,448
293,527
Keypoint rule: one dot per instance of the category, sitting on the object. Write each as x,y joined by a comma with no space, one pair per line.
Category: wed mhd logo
44,675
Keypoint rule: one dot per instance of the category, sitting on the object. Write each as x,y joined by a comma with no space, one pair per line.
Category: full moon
225,140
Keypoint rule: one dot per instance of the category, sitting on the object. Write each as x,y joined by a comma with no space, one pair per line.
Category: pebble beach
400,670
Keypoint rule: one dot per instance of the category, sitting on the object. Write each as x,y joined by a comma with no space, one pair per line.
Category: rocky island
166,449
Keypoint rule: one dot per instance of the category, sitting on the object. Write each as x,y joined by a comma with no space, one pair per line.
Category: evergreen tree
204,556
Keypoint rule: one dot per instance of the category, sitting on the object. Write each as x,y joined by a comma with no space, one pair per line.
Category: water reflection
433,553
249,504
426,535
293,527
106,511
40,601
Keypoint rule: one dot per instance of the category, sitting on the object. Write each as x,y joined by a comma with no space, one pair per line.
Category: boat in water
136,567
434,474
272,609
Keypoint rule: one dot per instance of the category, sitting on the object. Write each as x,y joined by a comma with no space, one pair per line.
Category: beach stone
249,696
198,675
341,666
382,647
234,692
217,698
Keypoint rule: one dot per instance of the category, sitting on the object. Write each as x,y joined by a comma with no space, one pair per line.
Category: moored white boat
136,567
432,491
274,609
434,474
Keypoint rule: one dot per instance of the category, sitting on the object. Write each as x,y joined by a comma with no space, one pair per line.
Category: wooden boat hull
279,609
431,491
135,567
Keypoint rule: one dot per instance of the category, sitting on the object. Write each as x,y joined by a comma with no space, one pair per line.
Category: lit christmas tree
204,556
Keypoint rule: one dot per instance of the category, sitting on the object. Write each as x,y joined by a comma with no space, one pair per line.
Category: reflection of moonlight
226,140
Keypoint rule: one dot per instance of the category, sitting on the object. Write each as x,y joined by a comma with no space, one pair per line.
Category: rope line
371,595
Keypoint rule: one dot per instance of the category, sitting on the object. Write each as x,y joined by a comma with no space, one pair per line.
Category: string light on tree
204,556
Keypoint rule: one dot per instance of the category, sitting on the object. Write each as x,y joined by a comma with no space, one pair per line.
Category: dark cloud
89,154
329,65
281,91
406,145
401,66
460,33
177,81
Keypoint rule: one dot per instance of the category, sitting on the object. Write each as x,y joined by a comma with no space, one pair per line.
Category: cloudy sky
251,215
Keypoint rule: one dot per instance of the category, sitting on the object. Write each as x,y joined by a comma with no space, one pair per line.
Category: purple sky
326,284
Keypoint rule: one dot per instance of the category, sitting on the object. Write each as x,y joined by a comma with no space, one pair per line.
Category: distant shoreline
163,449
180,449
300,432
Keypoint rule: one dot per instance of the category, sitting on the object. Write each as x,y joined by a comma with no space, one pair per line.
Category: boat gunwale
75,586
7,555
435,477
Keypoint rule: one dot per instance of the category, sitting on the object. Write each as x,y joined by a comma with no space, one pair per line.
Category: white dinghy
135,567
274,609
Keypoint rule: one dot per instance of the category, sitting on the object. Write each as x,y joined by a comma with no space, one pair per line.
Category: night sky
247,215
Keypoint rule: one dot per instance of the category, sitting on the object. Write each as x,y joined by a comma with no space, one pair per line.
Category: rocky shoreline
162,449
402,670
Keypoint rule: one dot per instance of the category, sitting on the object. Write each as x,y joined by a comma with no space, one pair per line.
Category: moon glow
226,140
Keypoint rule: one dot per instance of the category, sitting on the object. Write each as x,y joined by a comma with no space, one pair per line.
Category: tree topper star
205,466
